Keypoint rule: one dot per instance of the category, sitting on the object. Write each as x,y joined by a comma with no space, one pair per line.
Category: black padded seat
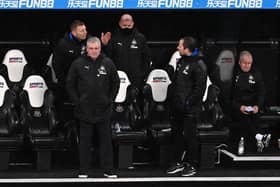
157,111
38,118
211,129
126,114
11,136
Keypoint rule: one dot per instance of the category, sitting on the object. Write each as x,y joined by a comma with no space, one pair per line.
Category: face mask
126,31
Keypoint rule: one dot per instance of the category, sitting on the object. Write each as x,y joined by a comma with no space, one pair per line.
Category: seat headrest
36,87
174,59
3,88
225,62
124,83
15,62
159,81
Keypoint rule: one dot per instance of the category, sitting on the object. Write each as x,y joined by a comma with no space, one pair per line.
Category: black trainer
178,167
110,174
189,170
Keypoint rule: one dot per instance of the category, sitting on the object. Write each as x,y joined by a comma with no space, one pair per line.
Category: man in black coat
248,92
92,85
188,87
68,48
129,51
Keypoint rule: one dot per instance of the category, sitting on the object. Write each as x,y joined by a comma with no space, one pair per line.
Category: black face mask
126,31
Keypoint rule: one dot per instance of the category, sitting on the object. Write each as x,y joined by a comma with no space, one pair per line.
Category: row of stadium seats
32,100
27,111
156,116
29,121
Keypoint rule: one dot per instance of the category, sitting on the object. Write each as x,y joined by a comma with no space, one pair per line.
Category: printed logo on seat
15,60
36,85
159,79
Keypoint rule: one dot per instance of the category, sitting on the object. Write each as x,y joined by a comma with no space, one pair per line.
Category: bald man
129,51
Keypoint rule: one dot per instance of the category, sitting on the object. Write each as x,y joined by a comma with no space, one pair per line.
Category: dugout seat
38,118
11,137
126,115
212,130
222,74
156,109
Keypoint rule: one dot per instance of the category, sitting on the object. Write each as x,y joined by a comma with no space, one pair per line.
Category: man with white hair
248,94
92,84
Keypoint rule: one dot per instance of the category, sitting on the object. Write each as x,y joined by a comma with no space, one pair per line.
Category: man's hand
105,38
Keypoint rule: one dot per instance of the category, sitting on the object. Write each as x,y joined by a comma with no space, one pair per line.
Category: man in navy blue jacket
92,85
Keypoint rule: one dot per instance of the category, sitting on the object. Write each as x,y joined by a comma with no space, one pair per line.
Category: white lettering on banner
165,3
175,3
277,4
8,3
217,3
245,3
77,4
36,3
147,3
105,3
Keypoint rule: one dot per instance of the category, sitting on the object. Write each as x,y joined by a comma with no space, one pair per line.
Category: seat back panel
225,63
15,62
35,87
159,81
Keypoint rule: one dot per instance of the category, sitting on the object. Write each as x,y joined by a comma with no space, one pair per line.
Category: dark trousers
64,112
104,137
184,129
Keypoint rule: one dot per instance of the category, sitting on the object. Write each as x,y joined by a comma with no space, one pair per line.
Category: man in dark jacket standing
129,51
189,84
92,85
248,94
69,48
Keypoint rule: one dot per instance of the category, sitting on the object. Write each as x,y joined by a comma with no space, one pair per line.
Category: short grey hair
94,40
245,53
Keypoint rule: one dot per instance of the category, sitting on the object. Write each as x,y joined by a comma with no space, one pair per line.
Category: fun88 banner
139,4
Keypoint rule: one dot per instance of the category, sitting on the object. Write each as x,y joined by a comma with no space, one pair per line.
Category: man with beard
188,87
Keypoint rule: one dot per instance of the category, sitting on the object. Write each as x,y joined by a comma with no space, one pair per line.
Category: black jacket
131,54
66,51
248,89
189,84
92,86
